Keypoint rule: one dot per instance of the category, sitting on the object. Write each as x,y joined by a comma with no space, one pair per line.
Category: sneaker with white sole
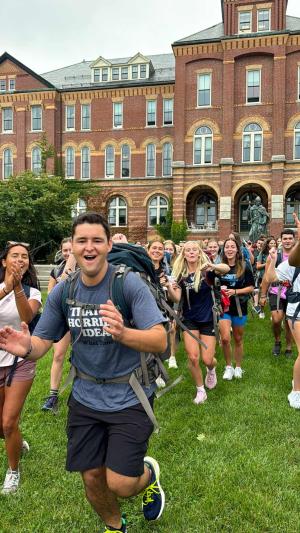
160,382
172,362
261,315
25,447
238,372
211,379
11,482
200,397
153,496
229,373
294,399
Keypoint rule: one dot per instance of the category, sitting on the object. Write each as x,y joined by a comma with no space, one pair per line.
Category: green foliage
179,231
164,230
38,209
47,151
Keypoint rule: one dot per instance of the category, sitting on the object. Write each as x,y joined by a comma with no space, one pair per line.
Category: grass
230,465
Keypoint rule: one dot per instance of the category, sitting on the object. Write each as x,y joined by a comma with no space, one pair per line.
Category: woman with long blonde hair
195,274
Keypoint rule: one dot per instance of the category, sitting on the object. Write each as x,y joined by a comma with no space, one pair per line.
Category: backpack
31,327
294,297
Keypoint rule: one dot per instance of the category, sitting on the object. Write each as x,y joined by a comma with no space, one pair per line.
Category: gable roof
7,57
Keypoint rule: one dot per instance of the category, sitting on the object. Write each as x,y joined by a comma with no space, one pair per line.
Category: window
36,118
168,111
150,162
70,117
118,114
252,143
125,161
85,163
298,95
167,159
134,72
157,210
78,208
253,86
7,120
85,116
12,84
117,212
115,73
203,146
204,90
297,142
2,86
245,19
70,162
96,75
206,211
109,161
36,160
143,71
263,20
292,205
7,163
151,112
124,73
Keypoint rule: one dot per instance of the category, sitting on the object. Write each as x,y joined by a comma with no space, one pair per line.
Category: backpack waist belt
294,298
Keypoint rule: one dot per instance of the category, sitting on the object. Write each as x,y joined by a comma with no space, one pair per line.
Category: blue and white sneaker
153,496
51,404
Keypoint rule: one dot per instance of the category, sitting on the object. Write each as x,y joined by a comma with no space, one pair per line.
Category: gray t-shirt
95,352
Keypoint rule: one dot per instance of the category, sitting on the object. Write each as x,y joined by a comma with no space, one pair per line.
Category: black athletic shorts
273,303
117,440
204,328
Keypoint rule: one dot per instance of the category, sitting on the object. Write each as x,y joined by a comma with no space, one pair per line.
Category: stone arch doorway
202,209
244,197
292,204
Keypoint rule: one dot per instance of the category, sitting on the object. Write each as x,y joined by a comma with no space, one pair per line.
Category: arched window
109,161
125,161
7,163
297,142
206,211
157,210
292,205
167,159
203,141
150,160
70,162
85,163
36,160
117,212
79,207
252,143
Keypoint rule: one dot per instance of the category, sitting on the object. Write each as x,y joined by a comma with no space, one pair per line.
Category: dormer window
245,20
143,71
2,86
115,73
263,20
12,84
96,75
135,72
104,74
124,73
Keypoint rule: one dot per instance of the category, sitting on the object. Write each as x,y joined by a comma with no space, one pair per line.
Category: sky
49,34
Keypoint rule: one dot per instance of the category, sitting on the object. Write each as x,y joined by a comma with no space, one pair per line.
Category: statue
258,219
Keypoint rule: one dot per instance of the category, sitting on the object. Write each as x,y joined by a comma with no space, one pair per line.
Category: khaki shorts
25,371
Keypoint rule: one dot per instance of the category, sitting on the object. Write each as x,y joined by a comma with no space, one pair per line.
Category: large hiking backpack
293,297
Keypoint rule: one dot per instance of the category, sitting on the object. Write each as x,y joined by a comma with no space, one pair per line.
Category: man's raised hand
15,342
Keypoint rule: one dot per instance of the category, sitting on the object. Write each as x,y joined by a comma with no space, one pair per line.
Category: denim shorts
235,320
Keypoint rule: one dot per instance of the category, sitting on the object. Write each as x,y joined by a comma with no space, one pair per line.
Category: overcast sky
49,34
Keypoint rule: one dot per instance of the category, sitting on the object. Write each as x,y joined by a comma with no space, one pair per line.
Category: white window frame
108,74
90,117
110,176
252,140
3,163
240,32
89,163
112,73
117,209
3,90
38,106
129,160
257,21
14,83
203,137
162,159
168,124
146,170
296,131
247,85
68,106
117,126
158,208
209,74
66,162
78,208
99,72
155,113
32,167
3,120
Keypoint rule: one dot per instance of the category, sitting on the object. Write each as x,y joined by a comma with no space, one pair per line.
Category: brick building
212,125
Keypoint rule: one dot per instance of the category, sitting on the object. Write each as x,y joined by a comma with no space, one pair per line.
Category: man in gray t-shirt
108,429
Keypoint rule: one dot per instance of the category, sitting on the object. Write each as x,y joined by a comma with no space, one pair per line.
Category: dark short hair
287,231
91,218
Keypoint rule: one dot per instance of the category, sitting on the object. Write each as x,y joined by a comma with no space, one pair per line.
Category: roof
216,32
7,57
79,75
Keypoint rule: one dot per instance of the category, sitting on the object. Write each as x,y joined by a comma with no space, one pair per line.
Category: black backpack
294,297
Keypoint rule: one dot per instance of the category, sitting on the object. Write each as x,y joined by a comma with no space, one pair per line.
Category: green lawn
231,465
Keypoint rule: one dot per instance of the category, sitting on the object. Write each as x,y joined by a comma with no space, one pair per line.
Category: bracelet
263,296
28,353
235,293
16,293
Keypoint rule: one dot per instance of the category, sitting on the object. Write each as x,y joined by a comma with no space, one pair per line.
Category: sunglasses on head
17,243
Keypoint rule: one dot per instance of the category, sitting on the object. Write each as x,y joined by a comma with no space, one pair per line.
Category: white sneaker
172,362
294,399
11,482
229,373
200,397
160,382
238,372
262,315
25,447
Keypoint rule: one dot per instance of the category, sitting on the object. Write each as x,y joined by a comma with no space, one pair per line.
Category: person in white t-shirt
286,273
20,300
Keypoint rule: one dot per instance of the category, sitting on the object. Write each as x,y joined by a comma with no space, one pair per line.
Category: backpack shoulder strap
279,259
296,274
68,290
116,290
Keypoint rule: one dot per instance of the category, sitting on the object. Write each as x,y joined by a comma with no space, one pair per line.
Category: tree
47,152
179,231
164,229
37,209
